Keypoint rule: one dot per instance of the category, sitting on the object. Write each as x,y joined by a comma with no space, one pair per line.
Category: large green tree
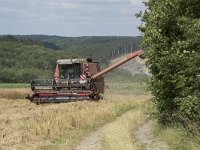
171,35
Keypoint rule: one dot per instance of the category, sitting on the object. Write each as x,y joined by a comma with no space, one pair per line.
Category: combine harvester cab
74,79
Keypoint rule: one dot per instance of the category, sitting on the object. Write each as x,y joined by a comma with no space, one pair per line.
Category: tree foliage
101,49
23,58
171,35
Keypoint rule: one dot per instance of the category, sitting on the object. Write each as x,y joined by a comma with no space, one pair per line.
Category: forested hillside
24,60
100,49
27,57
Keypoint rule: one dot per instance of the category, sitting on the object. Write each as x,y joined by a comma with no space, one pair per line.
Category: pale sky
70,17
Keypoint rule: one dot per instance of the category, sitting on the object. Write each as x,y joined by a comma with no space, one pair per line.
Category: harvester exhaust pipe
126,59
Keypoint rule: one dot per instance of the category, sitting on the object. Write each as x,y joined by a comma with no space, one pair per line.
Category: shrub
173,50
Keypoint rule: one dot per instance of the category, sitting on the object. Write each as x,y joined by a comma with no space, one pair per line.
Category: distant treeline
23,58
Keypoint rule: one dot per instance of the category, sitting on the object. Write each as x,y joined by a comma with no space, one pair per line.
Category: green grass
177,137
119,134
120,109
14,85
127,90
122,75
127,86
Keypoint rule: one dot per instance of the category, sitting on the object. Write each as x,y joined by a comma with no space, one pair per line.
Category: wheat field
24,125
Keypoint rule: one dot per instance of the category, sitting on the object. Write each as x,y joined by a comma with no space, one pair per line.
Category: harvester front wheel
96,97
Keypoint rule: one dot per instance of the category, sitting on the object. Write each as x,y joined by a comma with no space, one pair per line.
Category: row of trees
171,32
101,49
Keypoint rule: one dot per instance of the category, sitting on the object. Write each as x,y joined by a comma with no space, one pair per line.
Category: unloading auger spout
115,65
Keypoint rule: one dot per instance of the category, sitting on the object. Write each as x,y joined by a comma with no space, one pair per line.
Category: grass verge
14,85
177,137
120,133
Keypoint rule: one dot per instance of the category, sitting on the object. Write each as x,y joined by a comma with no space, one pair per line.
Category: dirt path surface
144,135
92,142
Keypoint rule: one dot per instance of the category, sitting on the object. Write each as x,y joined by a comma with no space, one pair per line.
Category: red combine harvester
74,79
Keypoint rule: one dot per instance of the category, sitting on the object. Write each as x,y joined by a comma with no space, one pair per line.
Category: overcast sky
70,17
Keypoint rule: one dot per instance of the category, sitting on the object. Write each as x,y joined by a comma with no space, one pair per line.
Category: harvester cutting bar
62,90
62,94
58,99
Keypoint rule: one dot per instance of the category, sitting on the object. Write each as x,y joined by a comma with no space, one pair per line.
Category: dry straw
20,93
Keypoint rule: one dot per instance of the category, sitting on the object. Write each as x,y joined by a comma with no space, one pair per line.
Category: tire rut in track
144,135
93,141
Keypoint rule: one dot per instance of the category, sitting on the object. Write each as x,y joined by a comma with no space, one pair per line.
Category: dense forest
25,57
